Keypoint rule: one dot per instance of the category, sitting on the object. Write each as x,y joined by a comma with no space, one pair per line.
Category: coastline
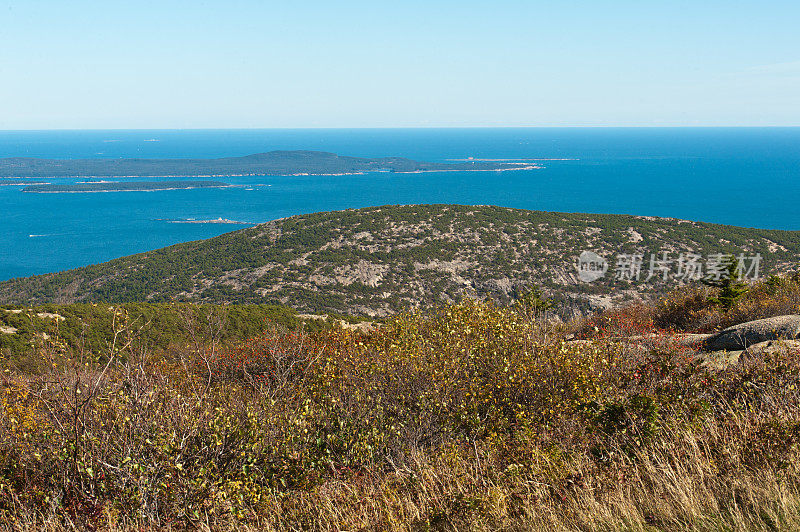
211,221
120,190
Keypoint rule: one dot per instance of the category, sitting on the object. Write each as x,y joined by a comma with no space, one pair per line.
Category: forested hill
271,163
380,260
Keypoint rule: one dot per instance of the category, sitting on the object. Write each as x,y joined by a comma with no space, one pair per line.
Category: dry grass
471,417
692,309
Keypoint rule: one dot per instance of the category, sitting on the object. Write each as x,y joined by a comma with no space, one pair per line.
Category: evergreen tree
730,286
534,301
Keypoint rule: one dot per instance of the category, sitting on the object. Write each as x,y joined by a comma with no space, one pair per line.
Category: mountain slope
382,259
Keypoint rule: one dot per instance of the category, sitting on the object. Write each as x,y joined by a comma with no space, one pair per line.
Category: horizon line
34,130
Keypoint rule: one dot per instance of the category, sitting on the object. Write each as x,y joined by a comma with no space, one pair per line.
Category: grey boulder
746,334
774,346
718,360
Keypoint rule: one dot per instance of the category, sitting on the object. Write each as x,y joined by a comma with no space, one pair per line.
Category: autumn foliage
468,416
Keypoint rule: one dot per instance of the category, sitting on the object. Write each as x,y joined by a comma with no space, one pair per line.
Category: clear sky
307,63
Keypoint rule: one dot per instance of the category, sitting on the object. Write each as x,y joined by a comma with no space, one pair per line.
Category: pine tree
534,301
731,287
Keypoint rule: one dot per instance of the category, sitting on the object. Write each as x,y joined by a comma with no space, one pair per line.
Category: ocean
739,176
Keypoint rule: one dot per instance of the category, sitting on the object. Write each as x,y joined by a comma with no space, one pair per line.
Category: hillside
270,163
379,260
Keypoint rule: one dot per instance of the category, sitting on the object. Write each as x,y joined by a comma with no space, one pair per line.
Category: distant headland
270,163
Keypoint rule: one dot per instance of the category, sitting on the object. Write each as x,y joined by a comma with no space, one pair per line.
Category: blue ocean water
739,176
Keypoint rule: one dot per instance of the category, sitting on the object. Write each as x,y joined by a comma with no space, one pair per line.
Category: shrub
464,416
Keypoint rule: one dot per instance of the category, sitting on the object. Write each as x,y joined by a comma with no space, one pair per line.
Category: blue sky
246,63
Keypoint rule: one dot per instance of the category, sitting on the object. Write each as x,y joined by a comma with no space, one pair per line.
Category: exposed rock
313,316
7,330
743,335
690,340
720,359
362,326
601,302
635,236
773,346
50,315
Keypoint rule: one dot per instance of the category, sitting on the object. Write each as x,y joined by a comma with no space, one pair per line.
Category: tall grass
468,417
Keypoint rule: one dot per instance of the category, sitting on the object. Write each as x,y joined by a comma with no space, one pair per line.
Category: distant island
140,186
271,163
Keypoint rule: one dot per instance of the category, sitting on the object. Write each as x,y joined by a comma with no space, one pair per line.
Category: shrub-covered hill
379,260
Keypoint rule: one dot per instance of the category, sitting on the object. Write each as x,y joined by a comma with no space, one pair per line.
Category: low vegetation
88,327
700,309
470,416
379,261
